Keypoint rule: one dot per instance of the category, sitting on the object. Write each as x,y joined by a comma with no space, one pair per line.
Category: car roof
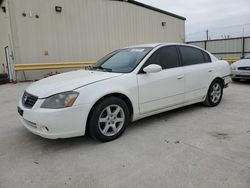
153,45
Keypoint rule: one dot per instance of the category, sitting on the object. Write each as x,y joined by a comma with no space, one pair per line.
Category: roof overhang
153,8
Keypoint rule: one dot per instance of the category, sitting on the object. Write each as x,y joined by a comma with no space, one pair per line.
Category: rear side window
166,57
206,57
191,56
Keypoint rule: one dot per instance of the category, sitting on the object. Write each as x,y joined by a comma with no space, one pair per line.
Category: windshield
121,61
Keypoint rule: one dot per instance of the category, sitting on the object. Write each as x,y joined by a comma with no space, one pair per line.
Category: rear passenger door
165,88
197,70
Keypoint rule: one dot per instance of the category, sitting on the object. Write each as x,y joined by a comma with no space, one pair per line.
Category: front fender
125,84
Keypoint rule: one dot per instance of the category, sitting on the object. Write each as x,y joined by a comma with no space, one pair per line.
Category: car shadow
51,146
164,116
242,82
59,144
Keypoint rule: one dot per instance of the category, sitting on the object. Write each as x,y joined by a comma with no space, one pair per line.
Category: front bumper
240,74
54,123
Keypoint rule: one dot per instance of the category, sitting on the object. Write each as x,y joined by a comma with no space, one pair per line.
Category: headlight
61,100
233,67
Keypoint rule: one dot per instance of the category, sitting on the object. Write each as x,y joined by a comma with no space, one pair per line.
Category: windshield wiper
101,68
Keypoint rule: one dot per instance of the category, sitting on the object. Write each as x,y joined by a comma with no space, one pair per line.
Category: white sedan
126,85
241,69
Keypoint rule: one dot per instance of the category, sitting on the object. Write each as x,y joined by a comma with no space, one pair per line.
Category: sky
220,17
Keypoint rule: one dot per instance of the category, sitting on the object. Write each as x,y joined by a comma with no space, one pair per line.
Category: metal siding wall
87,29
4,38
199,44
221,56
247,44
234,45
225,47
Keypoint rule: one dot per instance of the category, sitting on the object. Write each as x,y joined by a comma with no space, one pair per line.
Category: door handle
210,71
180,77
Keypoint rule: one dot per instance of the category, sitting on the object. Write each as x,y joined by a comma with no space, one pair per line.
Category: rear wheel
108,119
214,94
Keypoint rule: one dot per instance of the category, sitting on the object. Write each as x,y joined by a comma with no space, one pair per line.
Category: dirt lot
195,146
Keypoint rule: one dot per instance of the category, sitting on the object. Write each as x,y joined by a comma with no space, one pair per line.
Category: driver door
165,88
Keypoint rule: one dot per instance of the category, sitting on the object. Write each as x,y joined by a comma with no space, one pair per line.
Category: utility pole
207,34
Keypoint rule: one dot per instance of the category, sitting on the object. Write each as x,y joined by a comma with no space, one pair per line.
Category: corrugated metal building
38,31
226,48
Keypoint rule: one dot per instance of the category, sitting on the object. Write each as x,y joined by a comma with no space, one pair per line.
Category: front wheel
214,94
108,119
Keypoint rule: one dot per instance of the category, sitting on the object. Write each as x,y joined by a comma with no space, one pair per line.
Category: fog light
45,129
31,124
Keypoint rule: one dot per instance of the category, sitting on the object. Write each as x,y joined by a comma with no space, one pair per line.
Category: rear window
191,56
206,57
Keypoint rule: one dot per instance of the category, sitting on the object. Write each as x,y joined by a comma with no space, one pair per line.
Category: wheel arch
217,75
220,79
215,78
207,101
124,97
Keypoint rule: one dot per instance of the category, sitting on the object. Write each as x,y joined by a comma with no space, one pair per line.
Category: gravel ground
194,146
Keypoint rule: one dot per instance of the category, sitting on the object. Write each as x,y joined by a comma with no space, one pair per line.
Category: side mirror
153,68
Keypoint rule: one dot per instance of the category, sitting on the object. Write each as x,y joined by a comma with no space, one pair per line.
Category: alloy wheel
216,91
111,120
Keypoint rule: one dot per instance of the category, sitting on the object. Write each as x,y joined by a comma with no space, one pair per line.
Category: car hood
242,63
67,82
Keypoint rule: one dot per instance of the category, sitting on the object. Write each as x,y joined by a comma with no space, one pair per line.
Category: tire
214,94
236,79
108,119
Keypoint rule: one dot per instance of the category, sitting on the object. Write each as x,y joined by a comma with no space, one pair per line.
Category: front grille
244,68
29,100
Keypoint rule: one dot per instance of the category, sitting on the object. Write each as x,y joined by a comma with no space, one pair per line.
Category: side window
166,57
207,57
191,56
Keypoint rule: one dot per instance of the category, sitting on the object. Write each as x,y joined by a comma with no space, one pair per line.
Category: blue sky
220,17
